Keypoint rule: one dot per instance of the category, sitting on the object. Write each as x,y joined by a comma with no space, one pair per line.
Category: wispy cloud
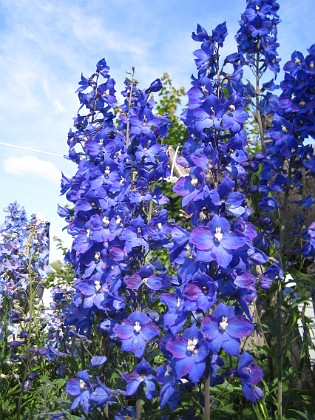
31,165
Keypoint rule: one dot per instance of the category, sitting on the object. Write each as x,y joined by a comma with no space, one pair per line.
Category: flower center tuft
194,182
191,345
105,221
218,234
223,324
284,128
82,384
137,326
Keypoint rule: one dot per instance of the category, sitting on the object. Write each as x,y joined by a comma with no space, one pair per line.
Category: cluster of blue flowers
118,216
288,166
161,310
257,36
176,326
24,251
216,260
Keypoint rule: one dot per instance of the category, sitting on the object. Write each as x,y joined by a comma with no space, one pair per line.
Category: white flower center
97,255
218,234
145,280
105,221
223,324
137,326
97,285
284,128
82,384
191,345
194,181
297,61
107,170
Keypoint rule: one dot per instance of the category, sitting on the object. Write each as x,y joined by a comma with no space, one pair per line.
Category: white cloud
33,166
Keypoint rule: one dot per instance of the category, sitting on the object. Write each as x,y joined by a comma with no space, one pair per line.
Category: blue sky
46,44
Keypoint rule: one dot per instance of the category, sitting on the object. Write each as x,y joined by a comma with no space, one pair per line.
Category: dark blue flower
250,374
224,330
216,242
143,375
135,331
190,351
81,389
200,292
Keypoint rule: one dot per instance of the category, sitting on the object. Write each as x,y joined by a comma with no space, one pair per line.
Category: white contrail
30,150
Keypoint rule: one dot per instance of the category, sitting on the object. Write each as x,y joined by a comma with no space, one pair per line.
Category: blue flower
135,331
216,242
143,375
250,374
224,330
102,396
190,352
176,316
200,292
81,389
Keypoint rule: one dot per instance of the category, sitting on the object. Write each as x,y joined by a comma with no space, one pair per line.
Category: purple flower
176,316
135,234
216,242
249,374
224,330
200,293
170,393
135,331
145,276
80,388
98,360
102,395
142,375
190,352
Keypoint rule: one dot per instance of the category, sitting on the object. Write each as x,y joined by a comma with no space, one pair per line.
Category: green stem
138,408
207,408
258,116
279,359
30,279
129,106
5,329
279,349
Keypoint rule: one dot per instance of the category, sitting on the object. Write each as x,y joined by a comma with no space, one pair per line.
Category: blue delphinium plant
118,220
170,337
24,252
283,202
